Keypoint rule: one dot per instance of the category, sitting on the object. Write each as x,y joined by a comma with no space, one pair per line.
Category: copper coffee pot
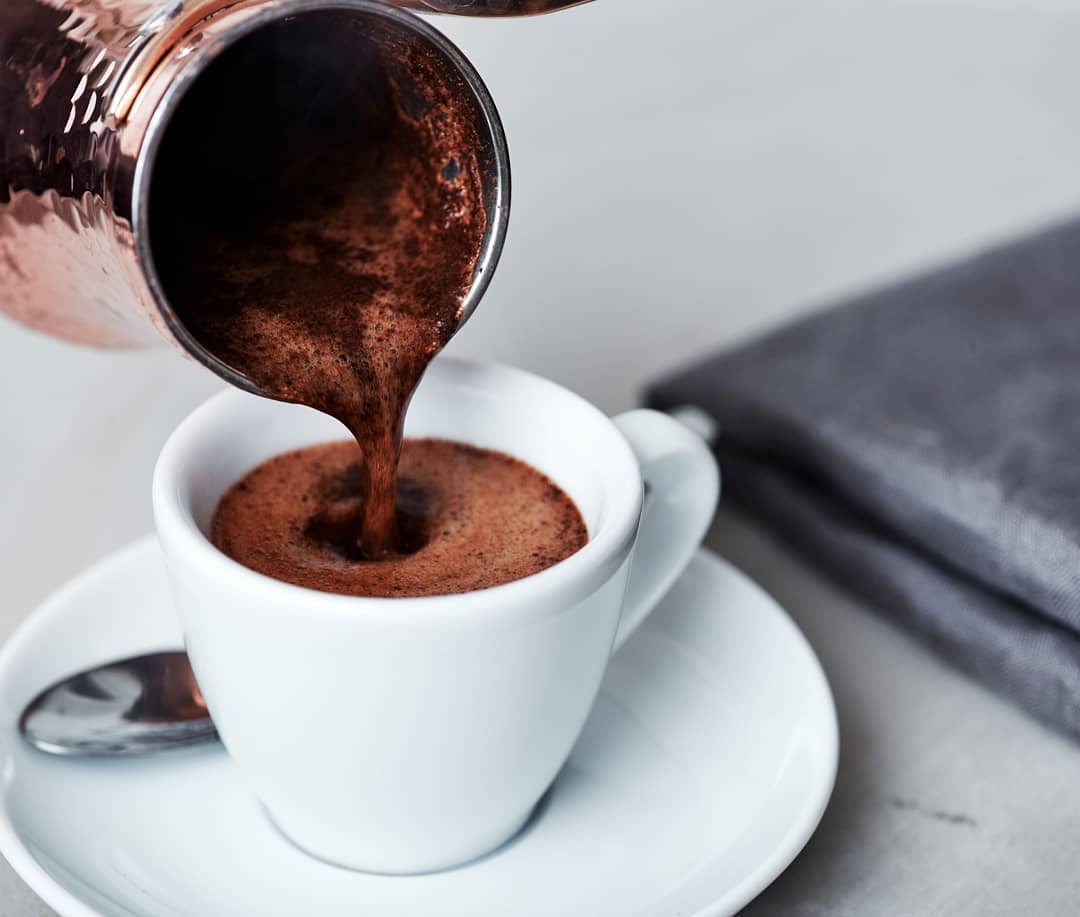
87,90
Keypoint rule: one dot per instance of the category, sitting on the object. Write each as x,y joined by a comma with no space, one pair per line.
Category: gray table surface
688,172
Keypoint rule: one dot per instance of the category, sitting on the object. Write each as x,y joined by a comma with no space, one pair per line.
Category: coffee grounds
472,518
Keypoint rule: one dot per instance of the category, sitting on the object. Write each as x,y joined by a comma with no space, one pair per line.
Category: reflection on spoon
131,707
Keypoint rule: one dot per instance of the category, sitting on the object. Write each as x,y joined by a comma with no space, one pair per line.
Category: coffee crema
469,519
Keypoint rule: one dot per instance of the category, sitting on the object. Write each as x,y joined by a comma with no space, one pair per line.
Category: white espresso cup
414,734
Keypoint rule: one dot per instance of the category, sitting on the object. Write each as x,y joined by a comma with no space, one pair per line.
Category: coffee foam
472,519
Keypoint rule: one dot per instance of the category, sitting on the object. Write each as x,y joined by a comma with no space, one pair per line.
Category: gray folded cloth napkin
921,444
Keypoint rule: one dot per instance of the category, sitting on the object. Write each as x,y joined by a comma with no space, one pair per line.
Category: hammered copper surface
66,253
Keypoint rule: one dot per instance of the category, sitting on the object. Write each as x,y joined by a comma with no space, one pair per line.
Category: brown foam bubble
472,518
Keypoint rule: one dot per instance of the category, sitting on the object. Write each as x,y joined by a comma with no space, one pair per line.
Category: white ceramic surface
704,767
414,734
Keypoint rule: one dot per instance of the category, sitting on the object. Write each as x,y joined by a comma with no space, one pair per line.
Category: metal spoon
130,707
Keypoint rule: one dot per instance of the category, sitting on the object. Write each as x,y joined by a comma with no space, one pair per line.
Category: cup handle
682,485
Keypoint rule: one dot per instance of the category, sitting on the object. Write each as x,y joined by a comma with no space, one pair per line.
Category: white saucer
703,770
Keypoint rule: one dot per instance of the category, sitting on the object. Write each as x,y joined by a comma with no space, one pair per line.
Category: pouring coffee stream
332,269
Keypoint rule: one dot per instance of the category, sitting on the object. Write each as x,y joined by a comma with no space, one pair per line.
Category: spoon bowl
130,707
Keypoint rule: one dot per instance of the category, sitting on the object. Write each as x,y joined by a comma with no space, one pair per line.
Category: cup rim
577,575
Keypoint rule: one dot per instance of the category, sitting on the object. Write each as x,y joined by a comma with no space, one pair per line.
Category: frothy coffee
470,518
